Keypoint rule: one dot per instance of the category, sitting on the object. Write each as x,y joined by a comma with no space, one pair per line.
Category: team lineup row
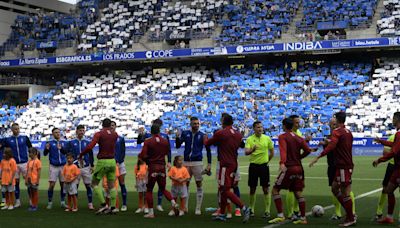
73,160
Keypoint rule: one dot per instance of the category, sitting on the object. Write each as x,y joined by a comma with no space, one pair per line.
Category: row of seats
198,17
265,92
29,29
355,13
132,99
122,24
372,113
256,20
389,25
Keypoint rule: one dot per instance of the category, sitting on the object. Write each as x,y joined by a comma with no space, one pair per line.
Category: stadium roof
69,1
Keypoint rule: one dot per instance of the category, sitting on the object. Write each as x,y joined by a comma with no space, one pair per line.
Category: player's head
70,158
155,129
33,152
178,161
106,123
157,122
296,122
113,125
396,119
15,129
194,123
258,128
332,123
7,154
56,133
287,124
80,131
223,116
340,117
227,120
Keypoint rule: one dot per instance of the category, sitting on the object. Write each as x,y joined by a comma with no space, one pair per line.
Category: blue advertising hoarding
209,51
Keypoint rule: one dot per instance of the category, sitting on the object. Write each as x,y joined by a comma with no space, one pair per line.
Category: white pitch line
277,165
327,207
326,178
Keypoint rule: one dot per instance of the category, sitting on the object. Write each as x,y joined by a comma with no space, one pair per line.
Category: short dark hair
70,155
14,124
227,120
106,122
54,129
8,152
340,117
80,126
113,122
255,123
155,129
224,114
158,122
294,117
288,123
176,159
193,118
396,115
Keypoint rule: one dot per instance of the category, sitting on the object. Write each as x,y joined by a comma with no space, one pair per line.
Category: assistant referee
260,148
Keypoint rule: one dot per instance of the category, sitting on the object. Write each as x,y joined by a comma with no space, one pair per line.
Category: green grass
366,178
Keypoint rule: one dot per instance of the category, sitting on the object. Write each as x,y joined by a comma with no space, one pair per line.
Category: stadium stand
196,20
131,99
252,21
345,14
389,25
122,24
265,93
62,29
372,112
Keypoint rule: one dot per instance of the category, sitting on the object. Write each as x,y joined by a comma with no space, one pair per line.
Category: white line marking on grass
327,207
326,178
277,165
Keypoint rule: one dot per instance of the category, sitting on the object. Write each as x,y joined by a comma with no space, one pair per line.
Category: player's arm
91,158
64,149
331,146
208,150
213,140
248,148
282,152
123,148
271,149
395,150
178,140
91,145
242,144
28,142
384,142
46,150
306,149
143,153
169,151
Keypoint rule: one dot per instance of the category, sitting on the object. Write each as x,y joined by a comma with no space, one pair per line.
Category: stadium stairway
370,32
289,35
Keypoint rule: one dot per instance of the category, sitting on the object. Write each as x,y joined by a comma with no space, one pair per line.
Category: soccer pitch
366,179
